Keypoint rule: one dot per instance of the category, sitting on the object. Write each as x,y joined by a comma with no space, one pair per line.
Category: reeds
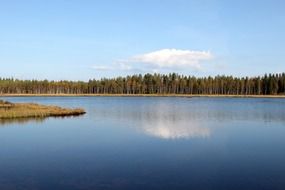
27,110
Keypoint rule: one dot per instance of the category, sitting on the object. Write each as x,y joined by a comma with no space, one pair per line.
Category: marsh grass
30,110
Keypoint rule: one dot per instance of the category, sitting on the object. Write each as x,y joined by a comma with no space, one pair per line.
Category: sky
86,39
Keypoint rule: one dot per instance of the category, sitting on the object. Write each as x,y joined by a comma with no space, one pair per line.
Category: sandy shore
140,95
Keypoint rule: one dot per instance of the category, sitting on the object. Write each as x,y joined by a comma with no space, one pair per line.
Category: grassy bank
29,110
142,95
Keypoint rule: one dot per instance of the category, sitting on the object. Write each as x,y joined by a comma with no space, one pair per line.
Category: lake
147,143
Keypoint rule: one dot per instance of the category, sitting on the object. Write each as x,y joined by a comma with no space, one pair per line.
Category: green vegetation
12,111
272,84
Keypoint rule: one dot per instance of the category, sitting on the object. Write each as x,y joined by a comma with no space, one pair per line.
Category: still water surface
147,143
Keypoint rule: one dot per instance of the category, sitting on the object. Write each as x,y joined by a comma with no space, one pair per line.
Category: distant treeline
269,84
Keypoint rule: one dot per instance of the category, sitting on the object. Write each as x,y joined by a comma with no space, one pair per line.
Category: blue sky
79,40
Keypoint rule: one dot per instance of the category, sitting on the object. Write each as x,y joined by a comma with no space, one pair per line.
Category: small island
10,110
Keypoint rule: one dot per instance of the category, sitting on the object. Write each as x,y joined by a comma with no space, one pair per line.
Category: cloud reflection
163,121
176,131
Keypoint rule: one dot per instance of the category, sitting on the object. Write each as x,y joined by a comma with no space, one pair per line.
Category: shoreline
143,95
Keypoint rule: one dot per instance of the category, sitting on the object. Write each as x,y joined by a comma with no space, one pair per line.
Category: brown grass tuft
28,110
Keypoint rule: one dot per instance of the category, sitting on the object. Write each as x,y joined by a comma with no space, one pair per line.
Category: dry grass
30,110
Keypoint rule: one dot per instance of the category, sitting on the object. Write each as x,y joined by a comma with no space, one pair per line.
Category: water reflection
193,113
162,120
5,122
175,130
226,144
186,118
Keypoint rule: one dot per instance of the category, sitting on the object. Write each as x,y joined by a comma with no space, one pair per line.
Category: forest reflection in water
170,121
186,118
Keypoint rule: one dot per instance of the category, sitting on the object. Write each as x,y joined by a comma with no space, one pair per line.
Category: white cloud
102,68
120,66
157,61
173,58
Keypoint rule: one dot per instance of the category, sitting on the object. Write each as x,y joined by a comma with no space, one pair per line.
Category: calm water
147,143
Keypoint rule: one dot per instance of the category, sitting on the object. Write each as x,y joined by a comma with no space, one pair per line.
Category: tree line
269,84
